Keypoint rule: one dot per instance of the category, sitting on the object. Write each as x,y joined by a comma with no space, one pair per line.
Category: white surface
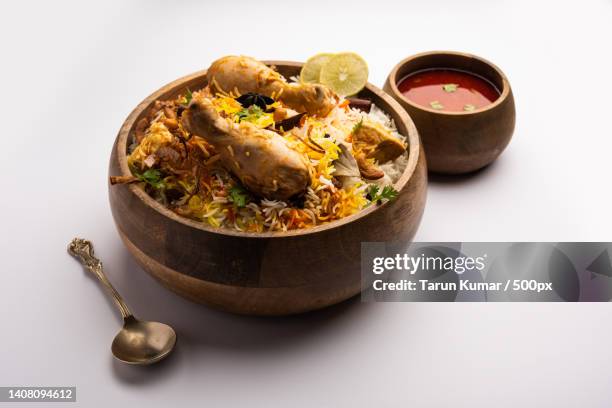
72,72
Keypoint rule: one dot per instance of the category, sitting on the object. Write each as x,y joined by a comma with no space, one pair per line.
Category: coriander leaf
436,105
373,192
388,193
239,196
242,114
250,114
357,126
256,111
188,97
153,177
450,87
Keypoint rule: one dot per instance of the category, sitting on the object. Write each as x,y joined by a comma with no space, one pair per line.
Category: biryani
255,152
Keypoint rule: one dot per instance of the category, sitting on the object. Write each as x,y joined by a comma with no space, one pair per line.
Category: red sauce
448,90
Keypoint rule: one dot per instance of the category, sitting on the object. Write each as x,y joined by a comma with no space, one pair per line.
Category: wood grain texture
458,142
274,273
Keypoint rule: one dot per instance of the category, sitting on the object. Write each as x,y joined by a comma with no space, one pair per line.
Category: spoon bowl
141,342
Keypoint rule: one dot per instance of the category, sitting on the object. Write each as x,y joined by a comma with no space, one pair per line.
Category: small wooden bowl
274,273
458,142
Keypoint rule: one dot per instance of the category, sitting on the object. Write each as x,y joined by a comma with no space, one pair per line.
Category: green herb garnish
376,196
357,126
389,193
250,114
152,177
372,192
188,97
469,107
239,196
436,105
450,87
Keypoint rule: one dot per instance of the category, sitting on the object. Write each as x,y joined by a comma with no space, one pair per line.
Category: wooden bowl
273,273
458,142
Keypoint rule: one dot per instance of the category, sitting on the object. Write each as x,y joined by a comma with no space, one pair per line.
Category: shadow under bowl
458,142
271,273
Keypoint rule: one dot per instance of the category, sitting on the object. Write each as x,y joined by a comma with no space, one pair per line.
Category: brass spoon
138,342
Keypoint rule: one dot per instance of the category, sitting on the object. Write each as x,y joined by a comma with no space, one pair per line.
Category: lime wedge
345,73
312,68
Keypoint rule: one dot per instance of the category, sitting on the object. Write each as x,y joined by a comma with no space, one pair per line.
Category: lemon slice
312,68
345,73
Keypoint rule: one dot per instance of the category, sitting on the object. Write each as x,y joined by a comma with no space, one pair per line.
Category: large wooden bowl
458,142
275,273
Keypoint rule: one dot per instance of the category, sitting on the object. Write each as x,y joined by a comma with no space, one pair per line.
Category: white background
72,72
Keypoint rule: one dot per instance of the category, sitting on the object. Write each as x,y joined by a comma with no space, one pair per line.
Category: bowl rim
414,155
393,81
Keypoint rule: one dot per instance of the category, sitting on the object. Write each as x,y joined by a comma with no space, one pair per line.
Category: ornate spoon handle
83,250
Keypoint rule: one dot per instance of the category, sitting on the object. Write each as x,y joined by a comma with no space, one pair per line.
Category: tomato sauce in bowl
448,90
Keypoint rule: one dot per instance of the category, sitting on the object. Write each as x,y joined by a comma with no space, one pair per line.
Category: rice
212,201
